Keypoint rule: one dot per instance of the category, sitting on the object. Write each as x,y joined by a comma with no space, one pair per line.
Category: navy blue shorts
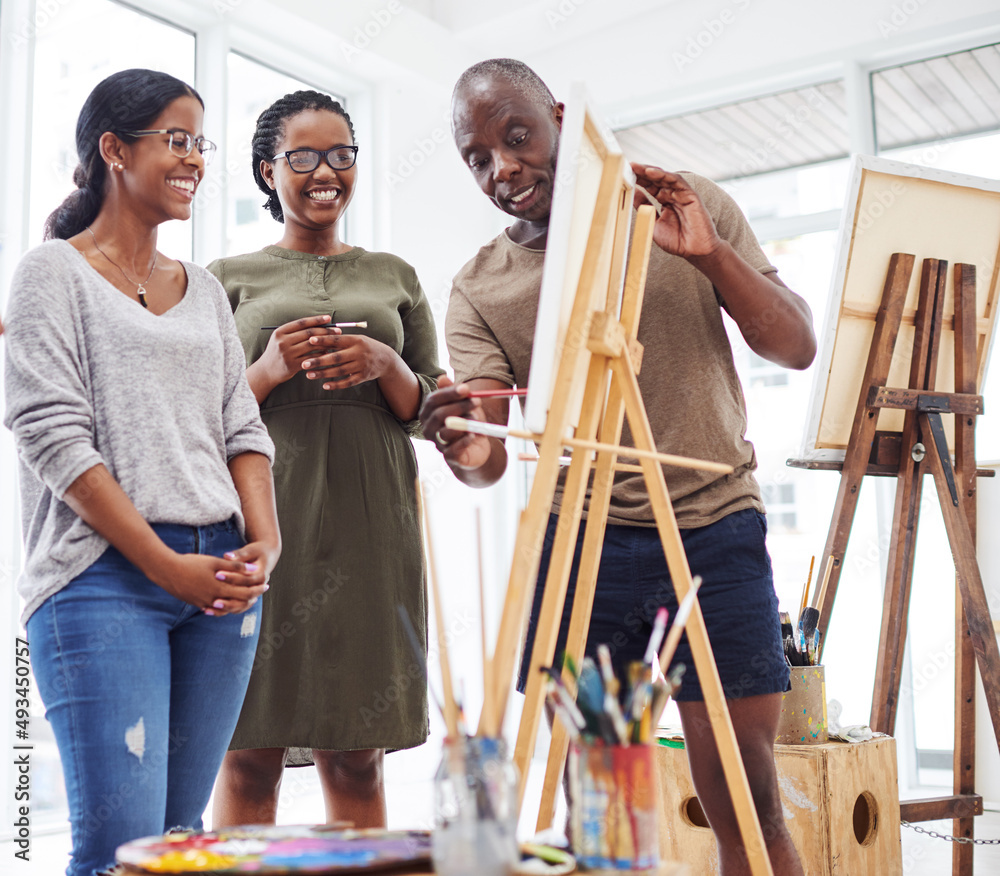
737,601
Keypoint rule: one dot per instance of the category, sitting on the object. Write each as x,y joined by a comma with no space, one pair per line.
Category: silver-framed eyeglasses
307,160
181,142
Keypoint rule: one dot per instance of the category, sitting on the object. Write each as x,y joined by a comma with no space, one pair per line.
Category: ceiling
951,96
788,129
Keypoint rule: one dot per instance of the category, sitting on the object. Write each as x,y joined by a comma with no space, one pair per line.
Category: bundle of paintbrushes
605,708
802,644
621,711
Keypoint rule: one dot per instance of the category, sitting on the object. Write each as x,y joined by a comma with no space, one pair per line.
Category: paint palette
284,849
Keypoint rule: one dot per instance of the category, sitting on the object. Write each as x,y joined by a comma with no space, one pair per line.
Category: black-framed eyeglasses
307,160
181,142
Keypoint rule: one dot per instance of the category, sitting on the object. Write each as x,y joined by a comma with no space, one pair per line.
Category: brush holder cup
475,804
803,708
613,812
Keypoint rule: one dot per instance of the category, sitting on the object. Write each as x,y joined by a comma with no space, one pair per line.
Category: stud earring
118,166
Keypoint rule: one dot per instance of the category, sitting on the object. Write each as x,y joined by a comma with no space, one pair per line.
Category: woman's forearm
251,473
261,381
401,389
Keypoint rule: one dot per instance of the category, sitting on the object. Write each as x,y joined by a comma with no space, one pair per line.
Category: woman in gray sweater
148,508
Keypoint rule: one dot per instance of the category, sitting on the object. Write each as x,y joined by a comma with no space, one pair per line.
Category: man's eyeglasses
181,142
307,160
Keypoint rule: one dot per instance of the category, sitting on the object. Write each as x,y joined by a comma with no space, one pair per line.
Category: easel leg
583,602
964,763
600,501
595,275
708,675
909,484
865,422
896,598
557,580
977,611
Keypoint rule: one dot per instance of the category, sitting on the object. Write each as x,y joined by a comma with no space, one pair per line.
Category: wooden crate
841,805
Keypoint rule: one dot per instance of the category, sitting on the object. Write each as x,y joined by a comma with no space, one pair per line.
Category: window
764,373
72,55
794,192
779,499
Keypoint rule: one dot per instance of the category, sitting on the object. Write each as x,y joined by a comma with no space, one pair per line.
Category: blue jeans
737,600
142,691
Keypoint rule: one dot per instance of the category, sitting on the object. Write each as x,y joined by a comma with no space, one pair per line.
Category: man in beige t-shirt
706,260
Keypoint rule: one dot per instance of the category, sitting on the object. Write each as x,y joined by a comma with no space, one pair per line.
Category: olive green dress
334,667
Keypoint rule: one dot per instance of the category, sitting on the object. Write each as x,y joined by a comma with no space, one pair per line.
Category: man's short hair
517,73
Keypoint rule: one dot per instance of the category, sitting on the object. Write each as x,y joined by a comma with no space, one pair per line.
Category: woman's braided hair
270,129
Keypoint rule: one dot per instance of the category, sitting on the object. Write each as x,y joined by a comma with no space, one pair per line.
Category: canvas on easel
896,207
586,384
897,395
585,143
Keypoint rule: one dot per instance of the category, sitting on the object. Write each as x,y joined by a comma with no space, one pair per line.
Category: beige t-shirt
688,380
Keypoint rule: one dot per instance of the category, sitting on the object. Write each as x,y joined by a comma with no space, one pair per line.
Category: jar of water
475,805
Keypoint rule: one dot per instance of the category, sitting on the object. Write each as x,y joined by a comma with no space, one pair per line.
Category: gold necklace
140,287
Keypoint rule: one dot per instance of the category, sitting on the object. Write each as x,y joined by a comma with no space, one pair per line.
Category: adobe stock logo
556,15
697,44
899,15
377,22
45,12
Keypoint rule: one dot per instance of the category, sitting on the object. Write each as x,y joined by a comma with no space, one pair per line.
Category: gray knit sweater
92,377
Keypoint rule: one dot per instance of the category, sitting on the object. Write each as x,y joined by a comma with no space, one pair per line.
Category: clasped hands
324,353
218,585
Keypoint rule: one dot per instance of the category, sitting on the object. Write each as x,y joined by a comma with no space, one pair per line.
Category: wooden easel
601,358
921,449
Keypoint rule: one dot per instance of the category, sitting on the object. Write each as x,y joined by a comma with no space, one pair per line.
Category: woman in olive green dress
335,681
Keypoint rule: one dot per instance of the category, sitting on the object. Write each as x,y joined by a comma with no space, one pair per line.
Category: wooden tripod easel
921,449
601,358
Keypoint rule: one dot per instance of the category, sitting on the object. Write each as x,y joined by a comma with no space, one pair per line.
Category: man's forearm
775,322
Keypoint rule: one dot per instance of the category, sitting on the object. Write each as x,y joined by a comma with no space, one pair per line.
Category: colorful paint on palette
273,850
